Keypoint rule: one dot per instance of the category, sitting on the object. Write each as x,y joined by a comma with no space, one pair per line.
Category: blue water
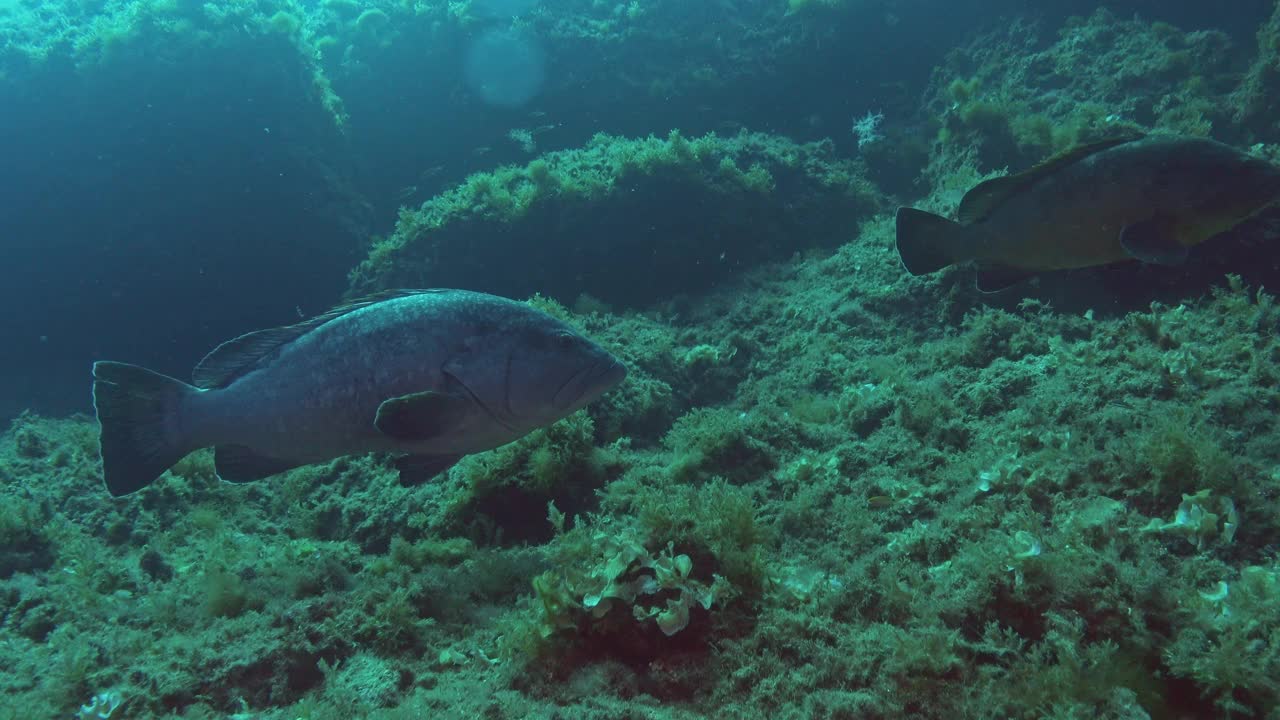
160,196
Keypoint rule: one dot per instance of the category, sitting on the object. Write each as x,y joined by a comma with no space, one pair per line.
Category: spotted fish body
429,375
1145,198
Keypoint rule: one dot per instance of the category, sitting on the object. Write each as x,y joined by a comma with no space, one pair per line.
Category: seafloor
856,494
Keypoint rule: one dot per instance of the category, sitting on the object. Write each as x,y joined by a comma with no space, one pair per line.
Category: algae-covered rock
626,221
1255,100
1109,76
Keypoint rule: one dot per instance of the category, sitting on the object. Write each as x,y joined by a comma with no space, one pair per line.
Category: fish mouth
590,383
610,375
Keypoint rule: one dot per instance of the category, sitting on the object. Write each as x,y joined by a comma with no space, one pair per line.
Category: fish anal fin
985,197
420,416
240,464
994,278
243,354
1154,240
418,469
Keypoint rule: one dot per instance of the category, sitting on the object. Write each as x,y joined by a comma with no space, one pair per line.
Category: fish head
1246,188
1214,186
534,370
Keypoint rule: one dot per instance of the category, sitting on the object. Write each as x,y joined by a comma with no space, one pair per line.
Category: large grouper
429,375
1147,198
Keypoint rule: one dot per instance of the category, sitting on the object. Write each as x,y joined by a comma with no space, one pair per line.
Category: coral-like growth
629,583
619,588
1231,645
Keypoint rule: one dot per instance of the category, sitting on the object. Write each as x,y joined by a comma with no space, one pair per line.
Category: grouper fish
1148,198
429,375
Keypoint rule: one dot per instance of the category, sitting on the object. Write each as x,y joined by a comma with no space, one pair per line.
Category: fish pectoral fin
418,469
1154,240
994,278
239,464
420,416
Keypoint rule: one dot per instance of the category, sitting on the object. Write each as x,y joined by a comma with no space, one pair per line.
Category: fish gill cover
826,488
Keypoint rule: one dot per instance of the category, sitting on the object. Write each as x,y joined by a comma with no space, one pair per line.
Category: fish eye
565,340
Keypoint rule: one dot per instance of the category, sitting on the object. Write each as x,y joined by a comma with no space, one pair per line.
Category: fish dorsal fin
238,356
985,197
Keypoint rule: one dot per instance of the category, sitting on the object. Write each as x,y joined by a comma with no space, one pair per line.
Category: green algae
1008,560
921,505
608,190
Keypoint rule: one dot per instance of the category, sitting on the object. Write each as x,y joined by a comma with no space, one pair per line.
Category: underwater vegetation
1033,512
826,489
726,204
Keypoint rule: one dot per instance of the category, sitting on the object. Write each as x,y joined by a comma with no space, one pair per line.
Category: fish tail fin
139,414
928,242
